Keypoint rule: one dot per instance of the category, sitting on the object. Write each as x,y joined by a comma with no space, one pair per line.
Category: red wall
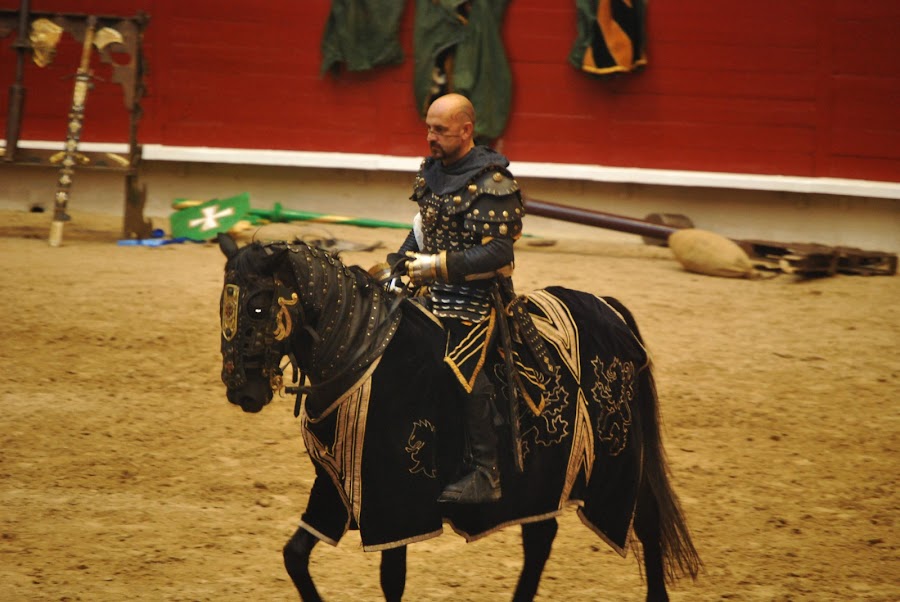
807,88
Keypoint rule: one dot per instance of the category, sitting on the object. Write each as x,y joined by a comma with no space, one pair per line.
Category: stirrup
480,486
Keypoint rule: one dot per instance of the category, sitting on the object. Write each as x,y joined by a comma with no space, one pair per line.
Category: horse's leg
296,560
537,539
647,529
393,573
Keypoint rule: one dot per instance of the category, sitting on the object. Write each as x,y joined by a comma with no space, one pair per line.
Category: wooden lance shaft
83,78
597,218
73,135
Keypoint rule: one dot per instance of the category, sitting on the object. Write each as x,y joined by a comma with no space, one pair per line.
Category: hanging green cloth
458,48
362,34
611,36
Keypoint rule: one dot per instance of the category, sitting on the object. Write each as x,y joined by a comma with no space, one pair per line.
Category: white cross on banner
210,218
204,221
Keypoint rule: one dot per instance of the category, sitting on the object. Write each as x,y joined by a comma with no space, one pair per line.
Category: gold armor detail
230,296
283,323
44,37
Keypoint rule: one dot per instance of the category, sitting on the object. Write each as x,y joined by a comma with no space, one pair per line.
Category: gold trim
343,461
442,266
511,523
558,329
231,295
629,534
581,453
402,542
451,356
321,536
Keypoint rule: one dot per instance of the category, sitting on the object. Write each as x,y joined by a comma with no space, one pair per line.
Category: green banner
205,220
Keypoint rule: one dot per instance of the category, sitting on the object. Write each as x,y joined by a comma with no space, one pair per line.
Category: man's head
451,127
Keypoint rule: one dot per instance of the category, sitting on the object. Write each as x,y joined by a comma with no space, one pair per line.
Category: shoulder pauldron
496,208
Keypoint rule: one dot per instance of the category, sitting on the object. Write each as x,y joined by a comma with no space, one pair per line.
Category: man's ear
468,130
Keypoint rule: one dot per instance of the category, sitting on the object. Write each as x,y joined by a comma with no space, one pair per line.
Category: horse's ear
227,244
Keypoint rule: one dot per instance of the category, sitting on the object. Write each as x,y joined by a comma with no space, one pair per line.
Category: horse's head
256,319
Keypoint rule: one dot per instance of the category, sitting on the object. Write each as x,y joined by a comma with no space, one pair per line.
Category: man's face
445,139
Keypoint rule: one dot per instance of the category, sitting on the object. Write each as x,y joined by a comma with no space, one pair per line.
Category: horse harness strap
513,310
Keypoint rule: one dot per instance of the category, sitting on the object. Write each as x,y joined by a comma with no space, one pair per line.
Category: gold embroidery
283,323
582,452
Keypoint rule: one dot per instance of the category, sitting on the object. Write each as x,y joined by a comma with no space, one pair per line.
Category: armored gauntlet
423,268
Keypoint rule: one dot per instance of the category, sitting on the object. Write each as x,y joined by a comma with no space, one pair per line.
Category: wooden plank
871,9
874,48
733,57
538,34
751,28
699,81
720,136
863,168
868,101
865,142
573,129
726,111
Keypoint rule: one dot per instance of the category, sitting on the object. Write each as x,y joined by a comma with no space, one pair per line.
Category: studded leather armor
476,226
489,205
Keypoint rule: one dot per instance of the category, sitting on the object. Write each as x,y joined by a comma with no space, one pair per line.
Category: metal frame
129,76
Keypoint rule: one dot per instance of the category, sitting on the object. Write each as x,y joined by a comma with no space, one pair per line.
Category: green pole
279,214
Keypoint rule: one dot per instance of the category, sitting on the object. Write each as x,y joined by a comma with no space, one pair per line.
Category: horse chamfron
378,420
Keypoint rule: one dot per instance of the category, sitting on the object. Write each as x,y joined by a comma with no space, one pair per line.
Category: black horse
378,418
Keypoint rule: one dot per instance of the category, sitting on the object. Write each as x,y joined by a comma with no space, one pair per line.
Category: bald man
461,251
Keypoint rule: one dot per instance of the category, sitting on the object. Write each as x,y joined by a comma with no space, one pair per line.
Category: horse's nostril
249,404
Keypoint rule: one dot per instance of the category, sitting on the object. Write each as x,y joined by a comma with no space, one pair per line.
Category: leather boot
482,484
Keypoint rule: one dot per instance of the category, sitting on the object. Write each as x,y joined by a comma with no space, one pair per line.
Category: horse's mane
254,262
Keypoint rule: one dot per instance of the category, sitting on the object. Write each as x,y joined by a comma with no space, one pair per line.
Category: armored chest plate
443,229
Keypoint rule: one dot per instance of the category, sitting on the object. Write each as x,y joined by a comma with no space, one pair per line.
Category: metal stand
130,76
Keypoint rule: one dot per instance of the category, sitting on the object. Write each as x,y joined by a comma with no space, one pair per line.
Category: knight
460,253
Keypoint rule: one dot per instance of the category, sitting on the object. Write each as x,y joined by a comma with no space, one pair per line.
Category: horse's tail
679,555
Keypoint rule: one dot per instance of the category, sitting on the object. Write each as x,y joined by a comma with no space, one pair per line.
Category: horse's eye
258,305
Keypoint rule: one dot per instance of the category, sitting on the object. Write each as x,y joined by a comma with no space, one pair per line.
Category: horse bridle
259,345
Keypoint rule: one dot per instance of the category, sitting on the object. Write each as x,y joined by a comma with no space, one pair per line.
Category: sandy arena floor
125,474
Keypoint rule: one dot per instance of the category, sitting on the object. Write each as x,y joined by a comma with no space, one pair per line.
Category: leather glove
423,268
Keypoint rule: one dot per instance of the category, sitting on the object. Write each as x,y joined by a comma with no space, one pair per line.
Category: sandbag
711,254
